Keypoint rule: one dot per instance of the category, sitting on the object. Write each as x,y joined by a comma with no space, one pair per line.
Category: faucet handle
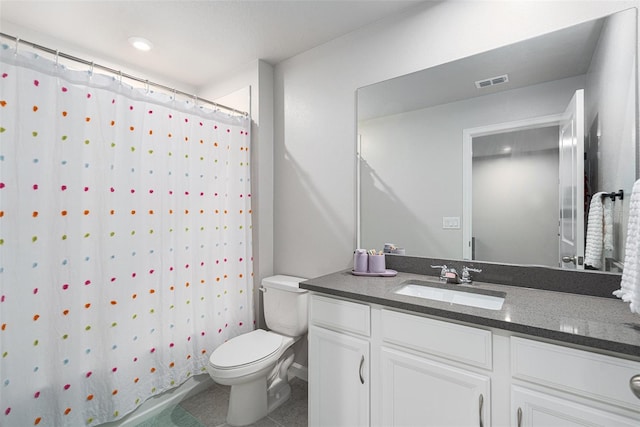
443,270
466,273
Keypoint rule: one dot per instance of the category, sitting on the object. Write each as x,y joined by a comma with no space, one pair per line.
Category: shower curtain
125,241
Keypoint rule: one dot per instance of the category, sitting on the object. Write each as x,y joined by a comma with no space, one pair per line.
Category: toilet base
247,402
251,401
279,389
277,397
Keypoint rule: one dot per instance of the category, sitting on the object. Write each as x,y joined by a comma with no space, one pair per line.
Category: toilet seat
245,349
247,355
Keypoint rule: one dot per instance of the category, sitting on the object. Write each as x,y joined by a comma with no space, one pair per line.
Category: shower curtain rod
119,73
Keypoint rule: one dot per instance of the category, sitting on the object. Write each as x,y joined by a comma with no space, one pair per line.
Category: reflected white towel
630,285
608,226
595,232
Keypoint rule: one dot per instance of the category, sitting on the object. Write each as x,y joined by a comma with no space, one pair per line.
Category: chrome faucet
443,271
450,274
466,274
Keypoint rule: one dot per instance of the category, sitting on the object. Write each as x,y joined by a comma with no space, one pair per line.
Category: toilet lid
246,349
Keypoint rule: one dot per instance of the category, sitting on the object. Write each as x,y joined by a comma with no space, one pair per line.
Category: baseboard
156,404
299,371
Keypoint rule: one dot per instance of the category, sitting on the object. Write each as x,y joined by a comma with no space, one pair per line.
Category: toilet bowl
246,363
256,364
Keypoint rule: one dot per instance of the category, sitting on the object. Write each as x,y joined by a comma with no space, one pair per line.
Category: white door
571,227
338,379
417,391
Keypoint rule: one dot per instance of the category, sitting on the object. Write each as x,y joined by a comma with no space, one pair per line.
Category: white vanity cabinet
339,360
554,385
420,386
373,365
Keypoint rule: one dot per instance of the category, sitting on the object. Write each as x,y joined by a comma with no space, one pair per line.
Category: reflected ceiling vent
492,81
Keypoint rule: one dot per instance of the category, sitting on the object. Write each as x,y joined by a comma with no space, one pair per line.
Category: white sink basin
490,300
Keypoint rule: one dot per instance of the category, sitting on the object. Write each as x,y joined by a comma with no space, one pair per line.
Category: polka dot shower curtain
125,242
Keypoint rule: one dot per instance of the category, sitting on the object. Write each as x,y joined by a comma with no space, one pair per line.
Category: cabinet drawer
448,340
586,374
341,315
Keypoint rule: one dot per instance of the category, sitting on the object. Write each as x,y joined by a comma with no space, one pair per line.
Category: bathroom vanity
540,346
544,358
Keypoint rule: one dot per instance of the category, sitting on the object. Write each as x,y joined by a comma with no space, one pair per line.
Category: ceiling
195,43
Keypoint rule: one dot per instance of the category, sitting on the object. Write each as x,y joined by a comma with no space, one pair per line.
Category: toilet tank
285,305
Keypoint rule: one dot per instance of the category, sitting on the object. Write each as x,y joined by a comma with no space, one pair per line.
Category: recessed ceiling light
141,43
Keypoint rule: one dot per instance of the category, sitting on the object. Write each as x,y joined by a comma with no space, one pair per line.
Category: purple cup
377,264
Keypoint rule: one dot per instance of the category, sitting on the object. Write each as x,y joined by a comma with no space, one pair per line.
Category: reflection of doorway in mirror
521,206
517,173
591,157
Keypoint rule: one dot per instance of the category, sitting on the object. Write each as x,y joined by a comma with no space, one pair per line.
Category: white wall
314,205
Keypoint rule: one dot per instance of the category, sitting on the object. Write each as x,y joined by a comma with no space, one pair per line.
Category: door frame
467,159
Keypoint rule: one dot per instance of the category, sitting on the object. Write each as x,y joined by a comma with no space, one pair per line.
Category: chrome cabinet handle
360,372
634,384
519,417
481,401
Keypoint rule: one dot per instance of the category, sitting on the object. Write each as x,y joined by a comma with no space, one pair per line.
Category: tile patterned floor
209,409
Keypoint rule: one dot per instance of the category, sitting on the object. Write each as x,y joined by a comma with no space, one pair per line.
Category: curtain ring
146,85
57,57
175,94
120,77
17,43
195,101
91,69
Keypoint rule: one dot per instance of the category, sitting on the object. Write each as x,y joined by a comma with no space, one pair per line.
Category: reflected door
515,196
571,227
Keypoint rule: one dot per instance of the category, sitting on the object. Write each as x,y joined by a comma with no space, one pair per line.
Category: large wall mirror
497,157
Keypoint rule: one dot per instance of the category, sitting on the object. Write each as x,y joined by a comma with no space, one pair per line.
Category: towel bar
613,195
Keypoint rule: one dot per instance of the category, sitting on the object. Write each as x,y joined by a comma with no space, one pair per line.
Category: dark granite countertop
598,323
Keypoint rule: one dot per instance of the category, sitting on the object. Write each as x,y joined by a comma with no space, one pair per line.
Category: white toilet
255,364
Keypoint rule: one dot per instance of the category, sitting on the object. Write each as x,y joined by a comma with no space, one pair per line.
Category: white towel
608,226
630,285
595,232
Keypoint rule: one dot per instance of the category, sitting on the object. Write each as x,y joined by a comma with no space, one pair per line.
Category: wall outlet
451,222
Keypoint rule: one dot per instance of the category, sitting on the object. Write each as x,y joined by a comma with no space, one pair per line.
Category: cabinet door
417,391
535,409
338,379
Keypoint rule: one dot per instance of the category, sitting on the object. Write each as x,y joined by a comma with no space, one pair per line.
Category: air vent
492,81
